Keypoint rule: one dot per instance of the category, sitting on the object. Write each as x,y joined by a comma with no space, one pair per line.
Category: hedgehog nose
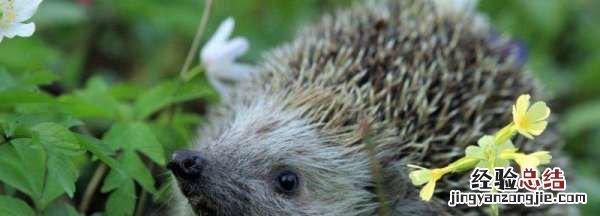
187,164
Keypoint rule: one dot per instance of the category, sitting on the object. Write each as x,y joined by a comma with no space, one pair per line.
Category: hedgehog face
269,161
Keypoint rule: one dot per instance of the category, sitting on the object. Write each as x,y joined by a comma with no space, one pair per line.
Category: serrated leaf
62,169
11,97
168,93
25,82
38,55
114,180
172,137
11,206
6,80
85,103
98,149
135,136
52,191
39,78
12,171
61,209
33,161
121,202
19,124
53,135
60,13
135,168
23,167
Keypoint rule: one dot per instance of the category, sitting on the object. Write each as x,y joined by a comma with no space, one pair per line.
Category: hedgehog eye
287,181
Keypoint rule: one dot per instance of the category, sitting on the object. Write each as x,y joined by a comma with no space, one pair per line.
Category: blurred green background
143,42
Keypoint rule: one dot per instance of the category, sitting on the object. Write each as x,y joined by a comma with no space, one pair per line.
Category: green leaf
6,80
11,97
38,55
59,13
168,93
19,124
11,171
39,78
190,74
134,166
11,206
52,190
23,167
25,82
85,103
134,169
98,149
114,180
63,171
61,209
53,135
135,136
121,202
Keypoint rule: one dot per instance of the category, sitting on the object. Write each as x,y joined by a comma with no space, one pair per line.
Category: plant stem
492,160
143,195
91,187
141,203
191,53
196,42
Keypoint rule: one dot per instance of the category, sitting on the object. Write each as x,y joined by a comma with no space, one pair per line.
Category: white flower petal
212,56
219,86
213,51
219,54
19,29
24,9
240,71
223,32
235,48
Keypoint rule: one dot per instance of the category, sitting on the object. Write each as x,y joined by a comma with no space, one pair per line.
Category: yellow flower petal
427,191
419,177
524,133
516,116
522,104
538,112
527,161
537,128
508,154
530,121
544,157
436,174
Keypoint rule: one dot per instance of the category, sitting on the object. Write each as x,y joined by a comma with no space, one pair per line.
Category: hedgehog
356,98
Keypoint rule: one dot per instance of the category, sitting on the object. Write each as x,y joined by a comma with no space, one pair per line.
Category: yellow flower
530,121
429,176
532,160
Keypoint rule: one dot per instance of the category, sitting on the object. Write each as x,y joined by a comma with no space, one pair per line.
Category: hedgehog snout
187,164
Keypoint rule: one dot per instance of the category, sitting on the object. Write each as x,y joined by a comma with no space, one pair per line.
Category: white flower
13,14
219,55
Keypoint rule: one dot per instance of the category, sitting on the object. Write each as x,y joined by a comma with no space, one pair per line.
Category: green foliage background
91,105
